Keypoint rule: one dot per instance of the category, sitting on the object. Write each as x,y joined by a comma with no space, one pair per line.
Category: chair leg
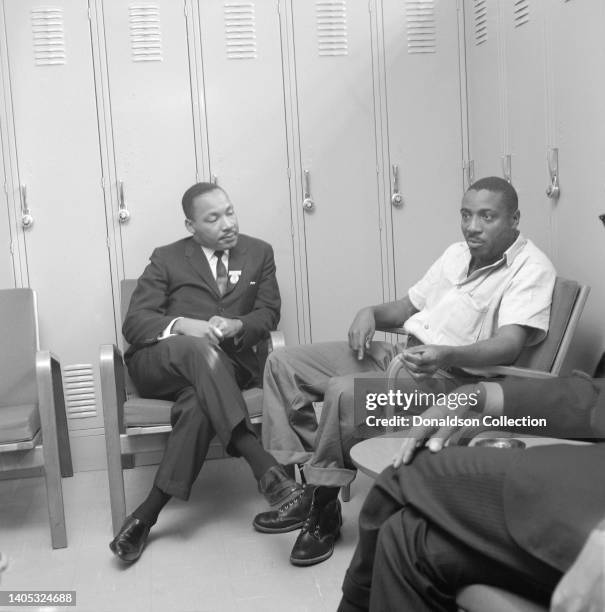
45,366
65,461
345,493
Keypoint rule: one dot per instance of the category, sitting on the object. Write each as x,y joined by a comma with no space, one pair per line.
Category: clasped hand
424,360
213,330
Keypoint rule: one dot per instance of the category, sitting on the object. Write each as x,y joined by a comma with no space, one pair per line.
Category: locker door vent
521,12
240,30
420,23
480,19
49,37
145,34
79,385
332,37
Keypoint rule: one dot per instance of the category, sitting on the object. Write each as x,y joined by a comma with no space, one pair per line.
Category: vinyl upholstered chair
544,360
136,428
33,426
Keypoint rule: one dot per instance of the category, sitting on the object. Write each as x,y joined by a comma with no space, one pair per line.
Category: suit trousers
434,526
297,376
202,381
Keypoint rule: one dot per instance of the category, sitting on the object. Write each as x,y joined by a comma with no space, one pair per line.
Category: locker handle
308,203
123,212
26,218
396,197
553,191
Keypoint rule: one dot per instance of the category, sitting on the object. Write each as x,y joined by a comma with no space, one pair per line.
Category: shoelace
282,509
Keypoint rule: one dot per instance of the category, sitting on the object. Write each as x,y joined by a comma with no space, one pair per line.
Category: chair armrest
113,389
51,405
514,371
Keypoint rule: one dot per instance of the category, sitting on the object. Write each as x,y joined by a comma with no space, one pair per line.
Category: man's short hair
496,184
193,192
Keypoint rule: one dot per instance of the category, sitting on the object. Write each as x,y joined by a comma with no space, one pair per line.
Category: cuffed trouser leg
295,377
167,369
450,532
340,418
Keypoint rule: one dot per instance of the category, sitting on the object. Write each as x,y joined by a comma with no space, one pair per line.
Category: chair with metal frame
136,428
34,439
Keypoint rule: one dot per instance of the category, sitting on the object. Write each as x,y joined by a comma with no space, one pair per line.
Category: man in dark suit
199,308
514,518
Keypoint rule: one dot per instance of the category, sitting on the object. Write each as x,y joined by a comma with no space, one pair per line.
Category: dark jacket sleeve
265,313
573,406
146,318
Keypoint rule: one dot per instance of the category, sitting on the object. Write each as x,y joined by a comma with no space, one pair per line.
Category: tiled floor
202,555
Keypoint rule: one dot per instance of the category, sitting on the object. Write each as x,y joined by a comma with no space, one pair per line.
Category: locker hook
26,218
308,203
553,191
123,212
396,197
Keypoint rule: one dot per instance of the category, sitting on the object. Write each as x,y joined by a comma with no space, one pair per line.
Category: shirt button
426,326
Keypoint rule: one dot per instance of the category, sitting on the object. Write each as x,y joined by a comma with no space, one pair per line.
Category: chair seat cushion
142,412
18,423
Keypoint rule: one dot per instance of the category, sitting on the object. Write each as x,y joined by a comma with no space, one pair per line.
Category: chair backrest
567,305
19,333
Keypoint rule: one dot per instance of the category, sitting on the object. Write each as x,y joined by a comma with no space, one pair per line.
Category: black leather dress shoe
315,543
277,486
288,516
131,539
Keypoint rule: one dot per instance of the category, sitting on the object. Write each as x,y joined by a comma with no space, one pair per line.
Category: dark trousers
432,527
203,381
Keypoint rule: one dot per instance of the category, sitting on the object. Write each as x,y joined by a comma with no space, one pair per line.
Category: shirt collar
507,257
209,253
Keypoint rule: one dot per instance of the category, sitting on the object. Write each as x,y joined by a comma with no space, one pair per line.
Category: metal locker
152,127
528,116
424,132
244,102
484,88
577,67
58,191
338,161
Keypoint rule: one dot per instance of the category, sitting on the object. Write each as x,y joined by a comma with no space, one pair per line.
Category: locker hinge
103,183
89,12
108,242
289,172
11,247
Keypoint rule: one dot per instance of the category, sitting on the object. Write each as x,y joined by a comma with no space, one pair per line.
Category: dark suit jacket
555,495
178,282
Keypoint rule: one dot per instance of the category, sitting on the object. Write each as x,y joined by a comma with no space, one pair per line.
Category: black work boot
321,529
289,516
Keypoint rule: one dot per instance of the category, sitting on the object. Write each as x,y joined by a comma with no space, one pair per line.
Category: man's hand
424,360
582,588
198,329
362,331
459,403
227,327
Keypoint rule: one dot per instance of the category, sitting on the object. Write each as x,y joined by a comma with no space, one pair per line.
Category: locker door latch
123,212
396,197
308,203
27,219
553,191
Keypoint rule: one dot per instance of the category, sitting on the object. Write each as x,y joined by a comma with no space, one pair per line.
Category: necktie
221,272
